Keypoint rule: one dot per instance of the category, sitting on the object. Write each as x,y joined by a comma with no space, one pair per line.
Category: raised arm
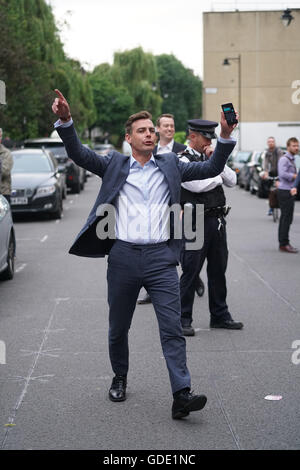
215,165
81,155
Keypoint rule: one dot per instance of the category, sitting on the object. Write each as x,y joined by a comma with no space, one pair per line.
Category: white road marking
42,240
21,267
30,376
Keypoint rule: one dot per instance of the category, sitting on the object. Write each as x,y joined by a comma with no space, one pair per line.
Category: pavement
54,323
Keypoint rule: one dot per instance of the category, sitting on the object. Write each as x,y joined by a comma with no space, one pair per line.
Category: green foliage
136,70
32,63
180,137
113,102
180,89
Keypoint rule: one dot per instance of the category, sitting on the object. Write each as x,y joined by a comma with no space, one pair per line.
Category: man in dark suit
140,254
165,128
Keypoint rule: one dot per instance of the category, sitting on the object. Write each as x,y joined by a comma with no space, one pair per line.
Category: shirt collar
133,161
169,145
290,156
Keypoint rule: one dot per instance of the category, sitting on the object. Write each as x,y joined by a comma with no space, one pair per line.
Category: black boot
117,391
185,402
145,300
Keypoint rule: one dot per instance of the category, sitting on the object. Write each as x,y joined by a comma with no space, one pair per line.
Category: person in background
272,156
210,193
6,164
287,173
296,185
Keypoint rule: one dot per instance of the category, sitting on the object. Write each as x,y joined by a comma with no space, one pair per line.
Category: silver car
7,241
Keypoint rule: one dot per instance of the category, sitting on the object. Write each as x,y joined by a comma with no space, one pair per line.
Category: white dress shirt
227,177
165,148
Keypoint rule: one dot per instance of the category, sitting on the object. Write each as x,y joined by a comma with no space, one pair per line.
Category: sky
92,30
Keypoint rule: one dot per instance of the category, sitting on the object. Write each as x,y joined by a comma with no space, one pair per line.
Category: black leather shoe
187,328
145,300
185,402
227,324
117,391
200,288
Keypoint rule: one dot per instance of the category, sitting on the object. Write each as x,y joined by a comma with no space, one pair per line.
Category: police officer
210,193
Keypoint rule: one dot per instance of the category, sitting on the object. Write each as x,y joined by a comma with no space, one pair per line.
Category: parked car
258,185
75,175
103,149
247,168
7,241
36,183
237,160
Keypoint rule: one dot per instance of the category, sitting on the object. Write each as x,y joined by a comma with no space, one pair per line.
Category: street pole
226,63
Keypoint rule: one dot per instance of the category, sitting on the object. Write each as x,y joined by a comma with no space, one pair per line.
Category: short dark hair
290,140
136,117
162,116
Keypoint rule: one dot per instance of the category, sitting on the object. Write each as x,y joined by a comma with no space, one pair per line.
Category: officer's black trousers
216,252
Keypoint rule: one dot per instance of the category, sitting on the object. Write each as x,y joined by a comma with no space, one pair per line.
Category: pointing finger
61,96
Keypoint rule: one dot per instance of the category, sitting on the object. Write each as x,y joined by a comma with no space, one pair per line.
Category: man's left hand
226,129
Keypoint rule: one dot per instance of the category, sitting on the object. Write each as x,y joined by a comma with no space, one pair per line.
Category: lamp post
286,17
226,64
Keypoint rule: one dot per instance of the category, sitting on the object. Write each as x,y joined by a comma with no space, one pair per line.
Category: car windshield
59,150
102,146
31,163
242,157
257,157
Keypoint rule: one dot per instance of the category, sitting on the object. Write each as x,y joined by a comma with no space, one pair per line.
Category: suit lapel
166,168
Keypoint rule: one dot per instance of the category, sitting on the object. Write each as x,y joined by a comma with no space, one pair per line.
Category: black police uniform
214,248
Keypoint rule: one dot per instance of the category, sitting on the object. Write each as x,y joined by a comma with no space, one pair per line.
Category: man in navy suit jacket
165,128
141,253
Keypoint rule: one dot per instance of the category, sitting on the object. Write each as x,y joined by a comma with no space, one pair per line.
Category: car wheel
261,193
251,188
64,193
82,185
10,270
76,188
58,213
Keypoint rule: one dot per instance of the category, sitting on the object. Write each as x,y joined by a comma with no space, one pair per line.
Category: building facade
262,79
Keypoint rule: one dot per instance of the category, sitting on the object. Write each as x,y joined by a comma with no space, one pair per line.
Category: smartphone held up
229,113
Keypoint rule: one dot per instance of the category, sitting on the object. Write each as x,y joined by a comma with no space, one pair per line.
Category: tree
113,103
136,70
33,63
180,89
